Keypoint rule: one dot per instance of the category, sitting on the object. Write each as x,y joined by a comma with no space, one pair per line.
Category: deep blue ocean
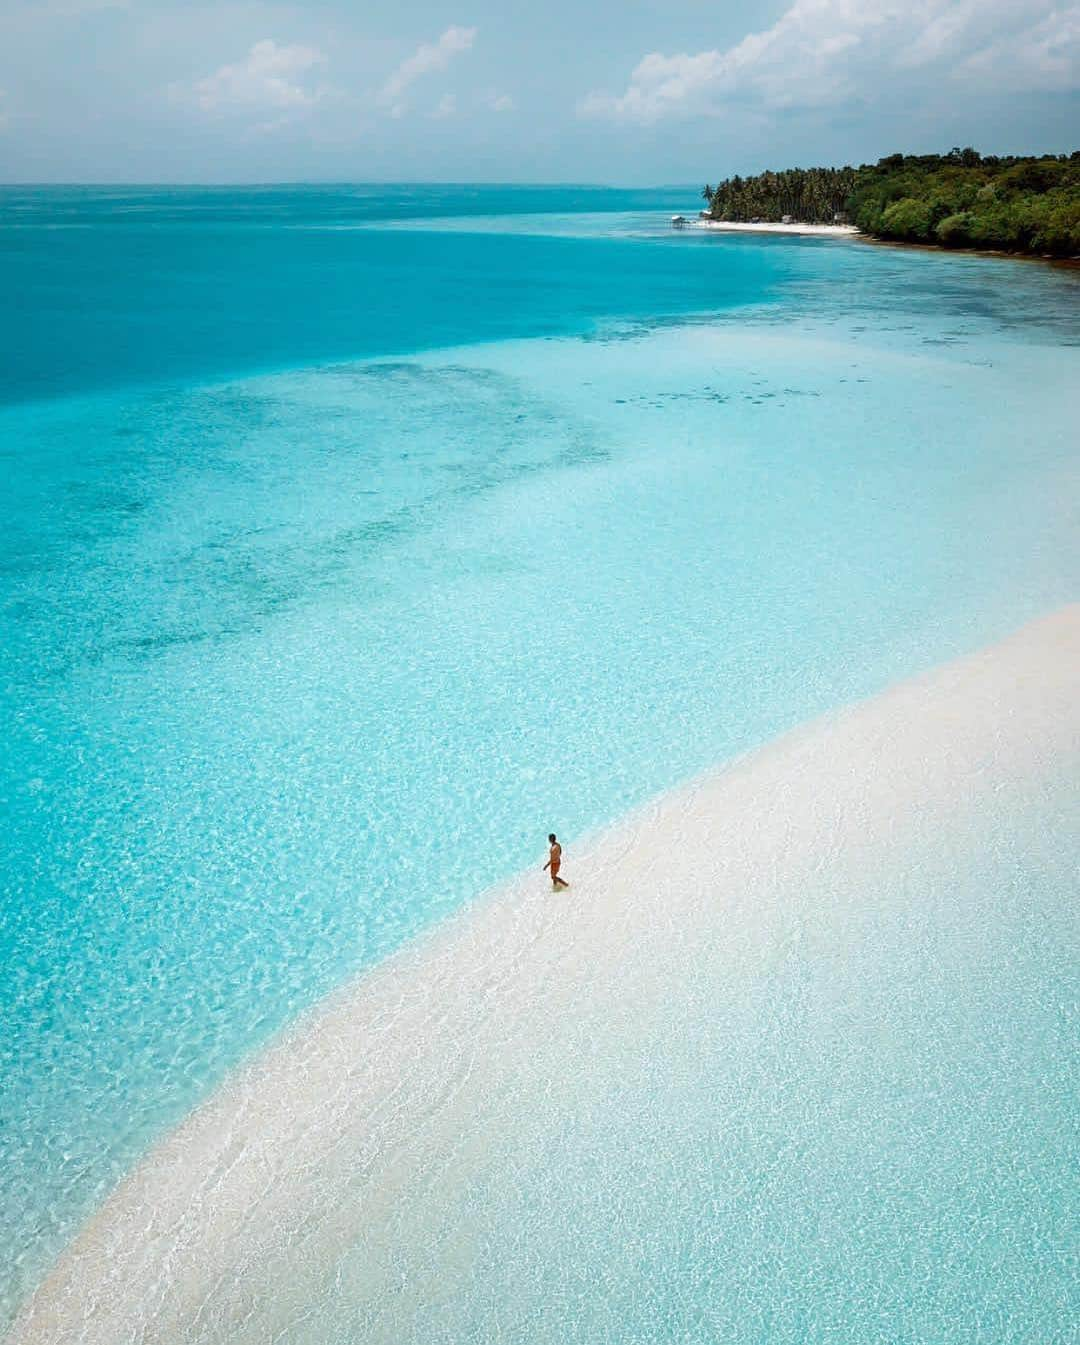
356,537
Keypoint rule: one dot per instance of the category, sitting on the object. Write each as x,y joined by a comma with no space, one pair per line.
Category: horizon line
351,182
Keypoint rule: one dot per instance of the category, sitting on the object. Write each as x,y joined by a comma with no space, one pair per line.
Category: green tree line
960,199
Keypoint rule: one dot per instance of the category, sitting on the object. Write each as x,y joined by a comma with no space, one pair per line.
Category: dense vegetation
960,199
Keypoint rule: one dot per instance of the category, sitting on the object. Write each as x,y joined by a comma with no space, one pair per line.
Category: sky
605,91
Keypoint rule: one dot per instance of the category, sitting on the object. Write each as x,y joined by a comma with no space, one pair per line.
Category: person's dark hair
551,836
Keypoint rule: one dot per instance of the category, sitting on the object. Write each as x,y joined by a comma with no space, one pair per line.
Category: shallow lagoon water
299,661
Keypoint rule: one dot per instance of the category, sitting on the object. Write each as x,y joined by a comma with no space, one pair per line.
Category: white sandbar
347,1166
817,230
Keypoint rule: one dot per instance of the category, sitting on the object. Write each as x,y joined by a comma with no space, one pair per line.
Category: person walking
555,863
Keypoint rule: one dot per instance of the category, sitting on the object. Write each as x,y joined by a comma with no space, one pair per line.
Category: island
963,199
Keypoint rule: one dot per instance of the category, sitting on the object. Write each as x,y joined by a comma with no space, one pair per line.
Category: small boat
679,221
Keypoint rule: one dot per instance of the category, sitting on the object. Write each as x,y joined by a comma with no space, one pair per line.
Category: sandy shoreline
811,230
360,1162
850,231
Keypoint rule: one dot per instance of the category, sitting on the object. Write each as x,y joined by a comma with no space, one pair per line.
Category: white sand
816,230
345,1165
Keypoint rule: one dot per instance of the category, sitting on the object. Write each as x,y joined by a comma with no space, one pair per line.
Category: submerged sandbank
542,1068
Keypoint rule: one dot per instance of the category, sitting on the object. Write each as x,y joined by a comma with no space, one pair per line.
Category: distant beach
1028,204
813,230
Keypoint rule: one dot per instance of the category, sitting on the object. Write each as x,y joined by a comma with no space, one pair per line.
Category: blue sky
545,90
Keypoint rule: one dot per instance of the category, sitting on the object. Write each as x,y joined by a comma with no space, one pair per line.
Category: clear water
356,538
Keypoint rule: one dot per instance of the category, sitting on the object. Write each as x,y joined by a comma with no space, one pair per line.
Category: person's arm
546,867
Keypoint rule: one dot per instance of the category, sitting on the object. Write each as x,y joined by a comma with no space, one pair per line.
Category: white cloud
447,107
499,102
826,51
1046,56
936,35
271,78
429,56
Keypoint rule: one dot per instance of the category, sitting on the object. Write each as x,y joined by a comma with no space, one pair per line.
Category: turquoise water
355,538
